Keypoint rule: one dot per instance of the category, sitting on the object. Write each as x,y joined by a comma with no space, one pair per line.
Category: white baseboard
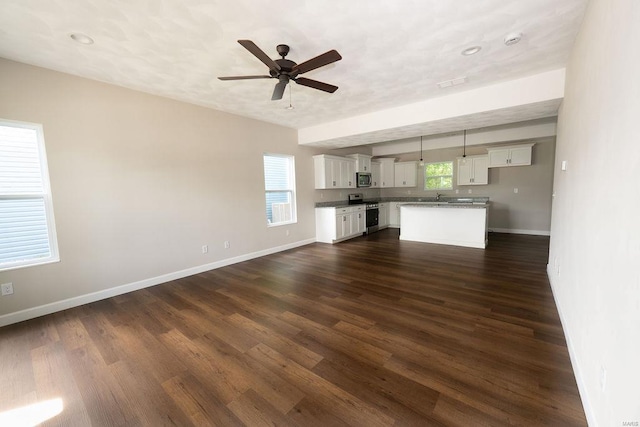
588,410
521,231
32,313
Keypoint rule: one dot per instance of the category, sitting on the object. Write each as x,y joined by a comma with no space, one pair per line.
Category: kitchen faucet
438,195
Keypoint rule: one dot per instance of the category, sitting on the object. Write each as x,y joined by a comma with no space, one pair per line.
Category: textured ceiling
394,52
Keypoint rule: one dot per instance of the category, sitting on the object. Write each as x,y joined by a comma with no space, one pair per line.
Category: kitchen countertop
452,202
450,205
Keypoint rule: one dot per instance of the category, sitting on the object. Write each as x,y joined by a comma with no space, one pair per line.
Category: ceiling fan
285,70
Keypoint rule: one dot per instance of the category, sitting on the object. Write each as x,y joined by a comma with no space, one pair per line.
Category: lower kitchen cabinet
337,224
383,215
394,214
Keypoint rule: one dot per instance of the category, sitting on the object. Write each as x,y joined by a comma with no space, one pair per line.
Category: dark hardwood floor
369,332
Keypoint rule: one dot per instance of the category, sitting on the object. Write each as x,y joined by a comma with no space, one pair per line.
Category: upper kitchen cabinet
516,155
405,174
387,172
375,174
473,170
334,172
363,162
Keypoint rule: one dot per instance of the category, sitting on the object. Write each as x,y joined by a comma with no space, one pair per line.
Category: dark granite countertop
452,201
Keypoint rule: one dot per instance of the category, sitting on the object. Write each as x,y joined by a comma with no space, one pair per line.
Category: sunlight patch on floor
31,415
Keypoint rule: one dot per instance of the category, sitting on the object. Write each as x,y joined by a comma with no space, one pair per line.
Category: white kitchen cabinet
383,215
347,173
516,155
358,222
394,214
334,172
337,224
327,171
363,162
375,175
405,174
473,170
387,172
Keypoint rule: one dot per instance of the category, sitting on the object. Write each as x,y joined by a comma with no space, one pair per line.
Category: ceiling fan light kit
286,70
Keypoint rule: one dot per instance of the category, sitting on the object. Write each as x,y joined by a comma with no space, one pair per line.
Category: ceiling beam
528,98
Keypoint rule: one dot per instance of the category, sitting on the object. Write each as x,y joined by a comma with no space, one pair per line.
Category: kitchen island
462,224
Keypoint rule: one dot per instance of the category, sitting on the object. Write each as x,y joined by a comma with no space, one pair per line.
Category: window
279,186
438,176
27,228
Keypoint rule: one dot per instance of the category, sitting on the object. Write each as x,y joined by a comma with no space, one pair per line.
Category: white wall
595,232
139,184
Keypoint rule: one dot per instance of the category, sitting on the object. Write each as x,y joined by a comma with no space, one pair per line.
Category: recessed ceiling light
471,50
81,38
512,38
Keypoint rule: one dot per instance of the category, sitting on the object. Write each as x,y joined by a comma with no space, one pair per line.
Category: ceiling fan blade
316,84
258,53
317,62
278,91
244,77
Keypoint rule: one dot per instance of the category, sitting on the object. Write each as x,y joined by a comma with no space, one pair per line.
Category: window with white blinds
27,228
279,185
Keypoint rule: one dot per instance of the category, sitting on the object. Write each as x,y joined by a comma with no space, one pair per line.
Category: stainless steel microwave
363,179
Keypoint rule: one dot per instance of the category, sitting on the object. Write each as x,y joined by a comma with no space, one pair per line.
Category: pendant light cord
464,144
421,148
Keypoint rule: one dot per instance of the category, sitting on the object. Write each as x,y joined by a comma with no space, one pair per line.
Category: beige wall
140,183
595,232
527,211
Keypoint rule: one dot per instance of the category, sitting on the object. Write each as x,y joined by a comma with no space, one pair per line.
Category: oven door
372,217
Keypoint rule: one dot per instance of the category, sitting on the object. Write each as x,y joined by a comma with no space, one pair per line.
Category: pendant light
464,147
421,160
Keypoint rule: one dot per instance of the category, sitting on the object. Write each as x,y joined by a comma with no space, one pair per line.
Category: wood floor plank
253,410
273,339
344,405
196,401
373,331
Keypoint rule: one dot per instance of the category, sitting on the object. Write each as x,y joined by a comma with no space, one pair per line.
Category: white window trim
291,191
424,176
45,195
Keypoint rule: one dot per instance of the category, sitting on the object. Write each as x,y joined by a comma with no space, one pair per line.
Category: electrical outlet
7,289
227,245
287,232
205,249
515,190
457,191
470,191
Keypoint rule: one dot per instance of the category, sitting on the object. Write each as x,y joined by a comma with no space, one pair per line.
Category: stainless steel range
372,217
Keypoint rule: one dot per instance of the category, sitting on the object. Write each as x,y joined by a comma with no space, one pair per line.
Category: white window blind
27,230
279,184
